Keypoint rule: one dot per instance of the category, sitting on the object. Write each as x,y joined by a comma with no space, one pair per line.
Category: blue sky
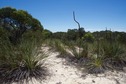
56,15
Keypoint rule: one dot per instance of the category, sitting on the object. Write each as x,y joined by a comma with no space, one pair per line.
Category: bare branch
76,20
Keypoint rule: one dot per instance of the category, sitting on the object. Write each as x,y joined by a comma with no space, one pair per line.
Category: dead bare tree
76,20
78,31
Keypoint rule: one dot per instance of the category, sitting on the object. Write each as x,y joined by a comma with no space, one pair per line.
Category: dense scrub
20,41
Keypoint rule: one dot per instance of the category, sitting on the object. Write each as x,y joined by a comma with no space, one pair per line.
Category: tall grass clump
21,62
56,45
79,50
96,65
59,45
114,53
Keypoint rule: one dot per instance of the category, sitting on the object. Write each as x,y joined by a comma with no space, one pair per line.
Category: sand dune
61,72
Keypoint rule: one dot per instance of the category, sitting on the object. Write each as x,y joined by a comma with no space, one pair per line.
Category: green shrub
21,62
88,37
96,65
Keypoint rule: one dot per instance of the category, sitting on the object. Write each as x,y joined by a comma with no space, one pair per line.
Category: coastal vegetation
22,36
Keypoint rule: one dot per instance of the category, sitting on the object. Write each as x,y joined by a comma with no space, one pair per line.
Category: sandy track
61,72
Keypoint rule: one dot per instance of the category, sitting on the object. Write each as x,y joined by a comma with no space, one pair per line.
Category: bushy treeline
75,34
71,34
17,22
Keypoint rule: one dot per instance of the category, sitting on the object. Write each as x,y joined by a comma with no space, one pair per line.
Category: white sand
63,73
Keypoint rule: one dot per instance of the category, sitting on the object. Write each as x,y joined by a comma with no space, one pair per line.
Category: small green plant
96,65
88,37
